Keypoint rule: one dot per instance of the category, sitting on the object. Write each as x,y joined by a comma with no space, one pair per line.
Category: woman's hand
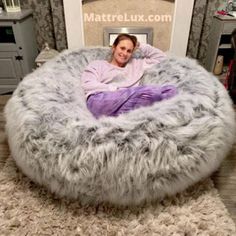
137,46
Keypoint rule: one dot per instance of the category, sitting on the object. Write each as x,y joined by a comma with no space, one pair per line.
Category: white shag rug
27,209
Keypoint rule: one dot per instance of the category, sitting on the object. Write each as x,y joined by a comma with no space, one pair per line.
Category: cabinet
18,48
220,40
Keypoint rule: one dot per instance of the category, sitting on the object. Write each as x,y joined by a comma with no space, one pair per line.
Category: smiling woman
122,49
113,87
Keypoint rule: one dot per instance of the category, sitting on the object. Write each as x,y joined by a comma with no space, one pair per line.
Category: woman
112,87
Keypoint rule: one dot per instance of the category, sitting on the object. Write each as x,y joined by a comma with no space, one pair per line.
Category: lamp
12,5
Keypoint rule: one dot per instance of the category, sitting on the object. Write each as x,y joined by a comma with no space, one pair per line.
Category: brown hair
121,37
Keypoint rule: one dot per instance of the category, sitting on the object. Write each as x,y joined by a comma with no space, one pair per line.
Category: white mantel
180,29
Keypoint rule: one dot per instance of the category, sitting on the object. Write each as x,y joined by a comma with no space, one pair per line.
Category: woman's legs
124,100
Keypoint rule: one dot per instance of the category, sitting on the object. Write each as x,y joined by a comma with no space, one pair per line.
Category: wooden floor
4,150
225,182
224,178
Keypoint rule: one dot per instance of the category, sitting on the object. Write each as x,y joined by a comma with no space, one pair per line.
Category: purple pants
127,99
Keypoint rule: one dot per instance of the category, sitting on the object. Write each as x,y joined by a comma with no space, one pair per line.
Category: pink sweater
100,75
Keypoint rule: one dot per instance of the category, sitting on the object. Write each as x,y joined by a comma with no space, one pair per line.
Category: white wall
74,23
180,29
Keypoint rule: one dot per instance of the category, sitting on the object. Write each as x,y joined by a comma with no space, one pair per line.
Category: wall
133,9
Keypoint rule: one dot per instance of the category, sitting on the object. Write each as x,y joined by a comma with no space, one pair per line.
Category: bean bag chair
137,157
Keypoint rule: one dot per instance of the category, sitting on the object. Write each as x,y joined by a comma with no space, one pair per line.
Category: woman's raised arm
151,54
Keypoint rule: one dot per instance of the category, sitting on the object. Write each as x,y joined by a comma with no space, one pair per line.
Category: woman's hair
121,37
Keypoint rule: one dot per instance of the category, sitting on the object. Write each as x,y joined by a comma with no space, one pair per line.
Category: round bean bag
137,157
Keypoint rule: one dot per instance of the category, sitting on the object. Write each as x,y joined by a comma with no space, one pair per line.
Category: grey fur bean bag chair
136,157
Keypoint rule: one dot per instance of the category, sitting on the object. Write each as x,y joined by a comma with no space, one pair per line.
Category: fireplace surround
180,25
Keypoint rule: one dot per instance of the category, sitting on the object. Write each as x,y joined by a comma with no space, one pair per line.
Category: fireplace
143,34
75,25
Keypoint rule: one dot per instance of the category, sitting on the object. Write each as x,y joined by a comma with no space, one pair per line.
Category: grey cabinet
18,48
219,40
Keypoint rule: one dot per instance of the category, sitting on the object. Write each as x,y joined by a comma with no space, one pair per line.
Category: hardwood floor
4,150
225,181
224,178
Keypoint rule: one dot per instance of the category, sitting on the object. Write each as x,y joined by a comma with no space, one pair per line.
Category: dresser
18,48
220,41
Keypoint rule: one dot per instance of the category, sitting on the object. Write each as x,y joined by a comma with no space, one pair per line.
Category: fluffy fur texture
26,209
140,156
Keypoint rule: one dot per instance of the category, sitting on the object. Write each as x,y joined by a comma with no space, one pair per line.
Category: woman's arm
151,54
90,79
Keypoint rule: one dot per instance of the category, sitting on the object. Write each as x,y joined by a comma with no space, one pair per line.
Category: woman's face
122,52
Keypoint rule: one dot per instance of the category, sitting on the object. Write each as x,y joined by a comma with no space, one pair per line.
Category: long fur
140,156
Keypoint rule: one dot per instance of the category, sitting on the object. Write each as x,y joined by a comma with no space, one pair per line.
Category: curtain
49,22
203,12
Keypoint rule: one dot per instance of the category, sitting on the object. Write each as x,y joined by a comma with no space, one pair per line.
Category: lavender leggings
127,99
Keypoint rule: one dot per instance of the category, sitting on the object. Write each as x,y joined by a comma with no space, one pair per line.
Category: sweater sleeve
90,80
151,55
